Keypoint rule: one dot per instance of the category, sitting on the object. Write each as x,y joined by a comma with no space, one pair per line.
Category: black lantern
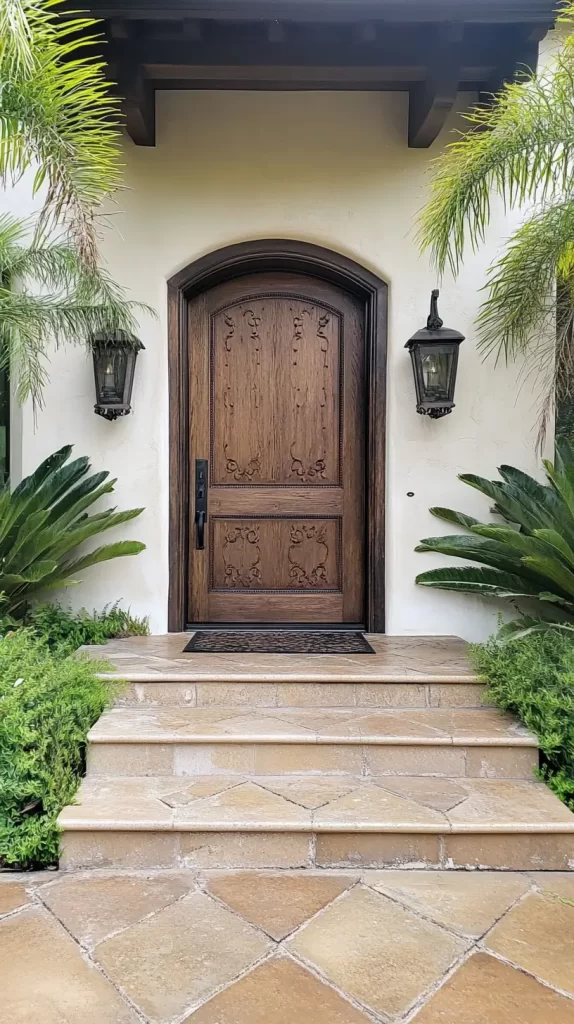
115,354
434,355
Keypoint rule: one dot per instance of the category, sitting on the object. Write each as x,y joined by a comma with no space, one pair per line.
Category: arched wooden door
276,473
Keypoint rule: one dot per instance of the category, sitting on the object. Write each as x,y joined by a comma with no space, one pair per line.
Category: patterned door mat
280,641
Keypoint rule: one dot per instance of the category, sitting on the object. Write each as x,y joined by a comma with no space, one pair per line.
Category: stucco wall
329,168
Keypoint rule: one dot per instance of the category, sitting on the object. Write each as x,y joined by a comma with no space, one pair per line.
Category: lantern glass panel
436,369
111,370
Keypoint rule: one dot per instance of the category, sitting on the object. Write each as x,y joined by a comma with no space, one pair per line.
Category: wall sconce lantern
115,354
434,355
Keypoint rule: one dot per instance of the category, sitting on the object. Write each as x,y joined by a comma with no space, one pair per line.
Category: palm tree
58,299
57,116
521,147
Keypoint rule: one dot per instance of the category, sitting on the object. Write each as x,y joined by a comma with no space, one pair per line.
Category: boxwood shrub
48,702
534,677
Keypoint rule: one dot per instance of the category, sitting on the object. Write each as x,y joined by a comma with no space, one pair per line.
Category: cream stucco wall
329,168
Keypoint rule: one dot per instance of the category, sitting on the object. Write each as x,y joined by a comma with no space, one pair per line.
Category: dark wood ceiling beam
138,104
413,51
431,101
475,11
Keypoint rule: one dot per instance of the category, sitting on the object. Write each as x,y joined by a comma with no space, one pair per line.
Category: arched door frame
253,257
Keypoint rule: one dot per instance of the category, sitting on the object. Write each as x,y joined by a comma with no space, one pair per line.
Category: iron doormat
280,641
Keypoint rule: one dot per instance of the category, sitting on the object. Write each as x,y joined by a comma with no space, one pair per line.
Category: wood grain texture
276,554
294,500
285,411
333,277
309,608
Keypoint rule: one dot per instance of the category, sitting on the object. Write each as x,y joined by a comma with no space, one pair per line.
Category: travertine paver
538,935
181,956
93,908
278,992
12,895
277,903
469,902
45,980
287,947
377,951
485,991
397,658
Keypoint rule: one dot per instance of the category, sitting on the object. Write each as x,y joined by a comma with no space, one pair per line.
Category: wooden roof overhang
430,48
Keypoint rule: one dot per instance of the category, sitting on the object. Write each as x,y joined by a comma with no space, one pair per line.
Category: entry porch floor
396,659
265,947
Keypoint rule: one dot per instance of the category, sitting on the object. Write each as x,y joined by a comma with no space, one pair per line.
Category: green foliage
58,114
520,146
528,557
43,521
64,630
47,705
533,677
75,300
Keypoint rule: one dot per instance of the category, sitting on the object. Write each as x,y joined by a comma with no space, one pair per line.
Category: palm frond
43,527
531,561
521,146
57,113
76,300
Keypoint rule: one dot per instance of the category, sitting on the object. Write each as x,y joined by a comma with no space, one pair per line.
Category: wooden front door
277,411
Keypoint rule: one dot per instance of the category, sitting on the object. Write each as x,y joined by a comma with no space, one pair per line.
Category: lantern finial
434,322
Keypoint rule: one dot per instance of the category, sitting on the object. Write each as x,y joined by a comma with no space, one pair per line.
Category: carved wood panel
276,378
277,403
289,554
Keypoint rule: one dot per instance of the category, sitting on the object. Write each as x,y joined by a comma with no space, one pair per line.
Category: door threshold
307,626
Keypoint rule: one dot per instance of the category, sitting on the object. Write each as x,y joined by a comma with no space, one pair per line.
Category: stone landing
281,762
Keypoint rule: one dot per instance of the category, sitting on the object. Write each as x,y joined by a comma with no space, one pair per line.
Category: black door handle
200,530
200,502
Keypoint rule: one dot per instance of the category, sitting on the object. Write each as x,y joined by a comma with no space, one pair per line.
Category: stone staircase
391,760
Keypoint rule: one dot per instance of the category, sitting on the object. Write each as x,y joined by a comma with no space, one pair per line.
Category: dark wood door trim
253,257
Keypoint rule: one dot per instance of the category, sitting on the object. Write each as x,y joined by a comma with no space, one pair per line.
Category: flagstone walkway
432,947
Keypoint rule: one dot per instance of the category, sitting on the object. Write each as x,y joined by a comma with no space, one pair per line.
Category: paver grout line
373,1015
429,993
86,955
419,913
522,970
181,1018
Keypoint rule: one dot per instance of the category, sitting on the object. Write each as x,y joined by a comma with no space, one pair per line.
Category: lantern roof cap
115,338
434,330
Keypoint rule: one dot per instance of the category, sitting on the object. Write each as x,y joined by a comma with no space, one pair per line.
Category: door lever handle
200,502
200,530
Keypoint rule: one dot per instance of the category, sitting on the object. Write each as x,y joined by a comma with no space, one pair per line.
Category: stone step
326,822
192,693
214,741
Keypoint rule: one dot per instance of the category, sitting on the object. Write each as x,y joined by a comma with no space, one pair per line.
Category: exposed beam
428,11
138,104
431,102
394,50
192,30
365,32
276,32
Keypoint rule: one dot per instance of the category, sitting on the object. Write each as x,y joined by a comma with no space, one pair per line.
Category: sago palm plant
44,521
526,556
521,147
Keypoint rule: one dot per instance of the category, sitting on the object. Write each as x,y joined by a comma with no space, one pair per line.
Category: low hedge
534,677
64,629
48,702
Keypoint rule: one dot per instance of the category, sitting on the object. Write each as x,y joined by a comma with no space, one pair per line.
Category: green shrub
527,557
44,524
533,676
66,630
47,705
